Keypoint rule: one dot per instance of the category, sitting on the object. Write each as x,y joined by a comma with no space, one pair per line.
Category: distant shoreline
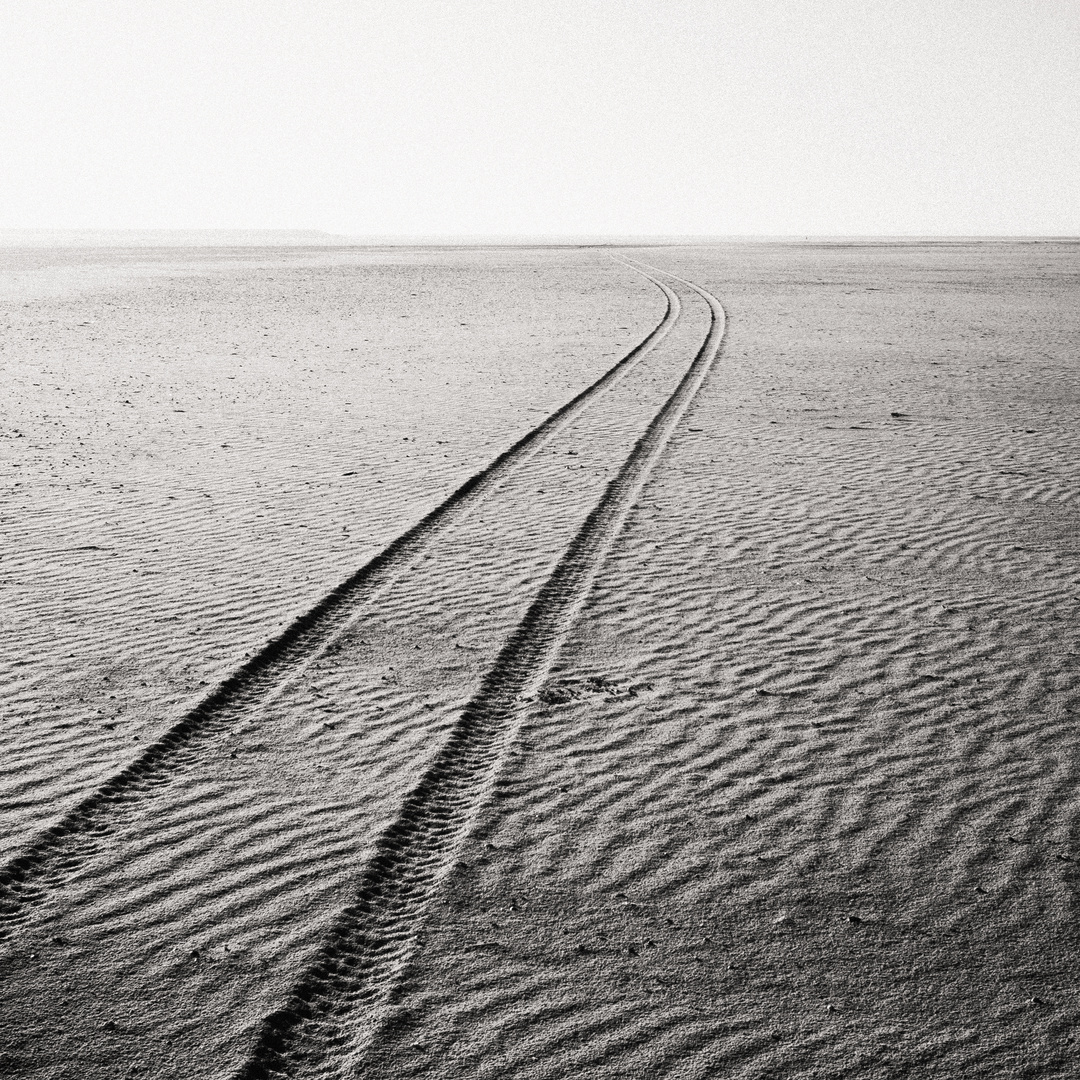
150,238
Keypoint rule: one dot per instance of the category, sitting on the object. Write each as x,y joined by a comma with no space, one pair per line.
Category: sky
523,118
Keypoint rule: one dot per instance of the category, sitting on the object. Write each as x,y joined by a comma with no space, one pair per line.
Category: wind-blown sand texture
538,663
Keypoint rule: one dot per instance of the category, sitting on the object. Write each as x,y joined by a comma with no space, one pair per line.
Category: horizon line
298,237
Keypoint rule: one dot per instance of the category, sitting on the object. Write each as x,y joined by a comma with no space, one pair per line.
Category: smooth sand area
724,726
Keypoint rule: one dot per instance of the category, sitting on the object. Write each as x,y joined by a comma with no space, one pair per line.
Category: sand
723,725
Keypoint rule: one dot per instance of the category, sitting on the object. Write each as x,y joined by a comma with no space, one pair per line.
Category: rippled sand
792,790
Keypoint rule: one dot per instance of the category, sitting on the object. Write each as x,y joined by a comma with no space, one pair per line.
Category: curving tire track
337,1004
864,705
58,851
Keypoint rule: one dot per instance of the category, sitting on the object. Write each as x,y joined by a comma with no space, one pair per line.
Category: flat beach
540,662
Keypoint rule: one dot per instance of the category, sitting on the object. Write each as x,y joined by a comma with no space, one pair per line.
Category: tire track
57,852
336,1006
855,781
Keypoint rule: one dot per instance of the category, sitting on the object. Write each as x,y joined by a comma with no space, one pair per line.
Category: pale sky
484,117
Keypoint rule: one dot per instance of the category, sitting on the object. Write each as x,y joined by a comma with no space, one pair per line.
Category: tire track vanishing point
337,1003
57,852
